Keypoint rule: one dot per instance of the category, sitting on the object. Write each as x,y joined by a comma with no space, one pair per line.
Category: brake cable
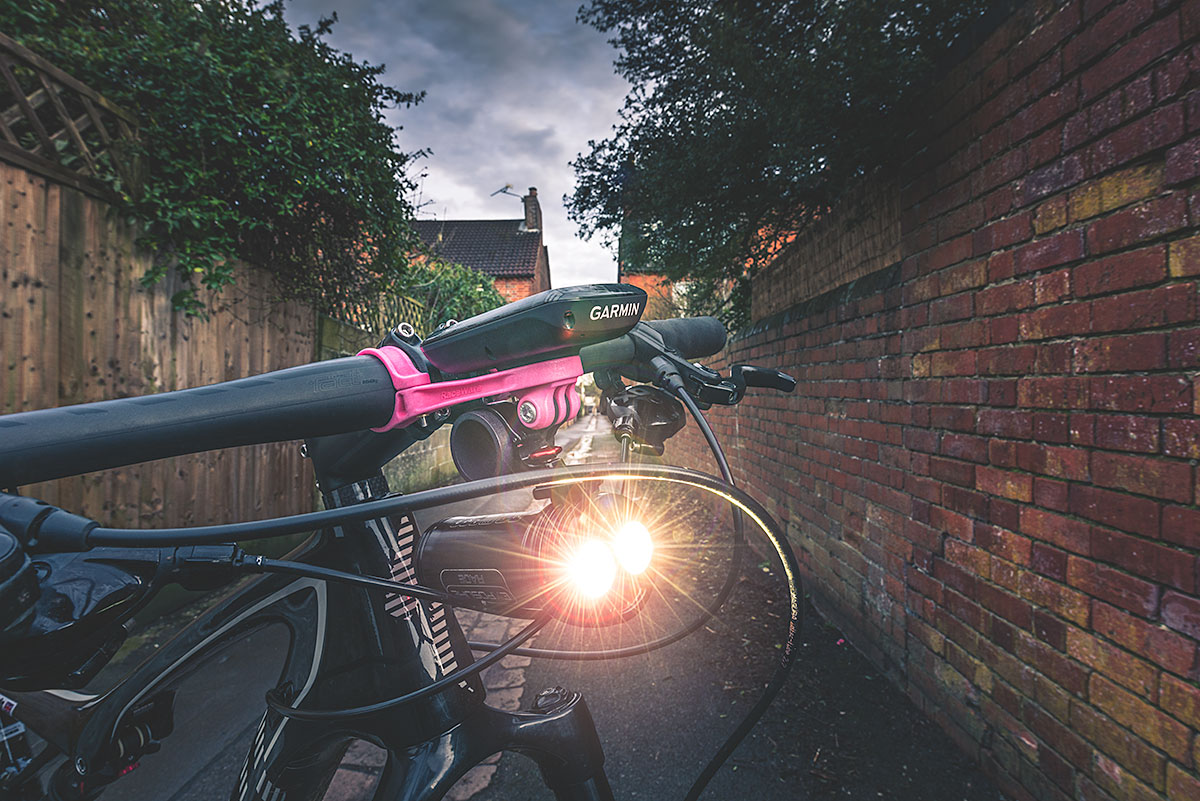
135,538
288,711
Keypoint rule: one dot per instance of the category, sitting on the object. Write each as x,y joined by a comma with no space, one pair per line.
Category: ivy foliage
258,145
450,291
745,120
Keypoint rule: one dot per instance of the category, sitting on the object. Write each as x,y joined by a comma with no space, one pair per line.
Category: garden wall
989,468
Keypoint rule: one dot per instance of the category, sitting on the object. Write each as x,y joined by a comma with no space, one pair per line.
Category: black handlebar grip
692,337
330,397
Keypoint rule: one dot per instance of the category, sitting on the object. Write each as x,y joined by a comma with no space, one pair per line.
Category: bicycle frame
351,646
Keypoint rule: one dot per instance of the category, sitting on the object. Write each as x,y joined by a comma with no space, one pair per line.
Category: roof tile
495,247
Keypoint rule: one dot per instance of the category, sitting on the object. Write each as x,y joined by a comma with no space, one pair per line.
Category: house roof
495,247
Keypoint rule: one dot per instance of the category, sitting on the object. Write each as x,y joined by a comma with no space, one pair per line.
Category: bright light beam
592,569
633,547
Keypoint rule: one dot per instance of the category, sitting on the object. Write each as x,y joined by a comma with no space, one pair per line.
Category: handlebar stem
546,389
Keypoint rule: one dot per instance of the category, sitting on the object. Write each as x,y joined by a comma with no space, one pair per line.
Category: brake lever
731,390
748,375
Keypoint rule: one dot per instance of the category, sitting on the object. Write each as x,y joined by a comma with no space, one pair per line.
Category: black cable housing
288,711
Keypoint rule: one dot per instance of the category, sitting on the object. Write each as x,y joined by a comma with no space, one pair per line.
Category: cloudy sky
516,88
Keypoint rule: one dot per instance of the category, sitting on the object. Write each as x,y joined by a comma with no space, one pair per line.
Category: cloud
515,89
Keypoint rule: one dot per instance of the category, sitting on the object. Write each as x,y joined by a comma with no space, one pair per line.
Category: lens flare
633,547
591,569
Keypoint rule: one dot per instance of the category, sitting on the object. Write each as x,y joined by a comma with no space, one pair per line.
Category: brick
1052,287
1114,191
1149,220
1131,56
1150,559
1050,215
1005,423
1050,562
1181,784
1053,358
1064,532
1044,111
1051,427
961,362
1045,37
1181,526
965,446
1157,394
963,277
1008,297
1152,641
1132,712
1004,483
1125,784
1181,699
1120,666
1144,475
1003,233
1149,308
1155,131
1183,348
1066,463
1051,494
1056,597
1053,393
955,307
1183,162
948,253
1182,613
1052,251
1018,360
1181,438
1121,354
1119,510
1052,178
1184,258
1002,454
1006,544
1056,321
1113,586
1126,433
1107,30
1123,271
1050,630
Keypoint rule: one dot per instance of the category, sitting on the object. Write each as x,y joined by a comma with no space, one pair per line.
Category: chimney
533,210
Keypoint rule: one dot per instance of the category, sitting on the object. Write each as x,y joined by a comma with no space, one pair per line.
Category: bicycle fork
559,735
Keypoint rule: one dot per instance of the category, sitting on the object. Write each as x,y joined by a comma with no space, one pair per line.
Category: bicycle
375,651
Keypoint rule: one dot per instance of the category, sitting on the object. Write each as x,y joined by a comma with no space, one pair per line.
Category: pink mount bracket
549,386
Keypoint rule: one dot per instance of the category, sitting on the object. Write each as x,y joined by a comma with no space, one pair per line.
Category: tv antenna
505,190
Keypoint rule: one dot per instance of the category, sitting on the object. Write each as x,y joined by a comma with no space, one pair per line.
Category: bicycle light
578,559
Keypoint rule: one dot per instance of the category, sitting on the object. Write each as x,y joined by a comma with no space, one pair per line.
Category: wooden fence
58,127
76,325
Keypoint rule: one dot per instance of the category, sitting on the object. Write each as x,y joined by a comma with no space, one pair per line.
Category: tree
258,145
450,291
745,120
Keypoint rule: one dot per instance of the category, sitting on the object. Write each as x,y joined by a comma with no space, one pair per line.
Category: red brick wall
989,467
514,288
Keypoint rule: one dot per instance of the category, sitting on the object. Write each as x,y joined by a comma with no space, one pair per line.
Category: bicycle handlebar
324,398
330,397
691,337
